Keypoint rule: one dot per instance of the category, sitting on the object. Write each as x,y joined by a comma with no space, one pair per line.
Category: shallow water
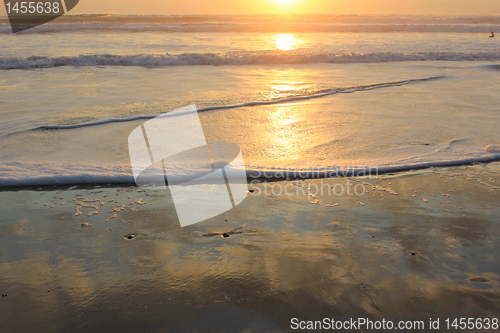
374,118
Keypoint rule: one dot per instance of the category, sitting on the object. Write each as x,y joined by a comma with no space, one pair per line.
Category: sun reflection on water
287,83
285,42
285,136
285,133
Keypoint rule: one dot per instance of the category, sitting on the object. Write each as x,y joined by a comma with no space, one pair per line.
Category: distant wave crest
265,23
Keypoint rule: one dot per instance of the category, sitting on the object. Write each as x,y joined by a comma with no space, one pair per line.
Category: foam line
249,104
15,174
254,58
277,174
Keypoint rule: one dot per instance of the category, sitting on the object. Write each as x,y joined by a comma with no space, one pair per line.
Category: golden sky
173,7
436,7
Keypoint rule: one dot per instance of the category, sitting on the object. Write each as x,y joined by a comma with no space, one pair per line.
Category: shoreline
284,175
413,246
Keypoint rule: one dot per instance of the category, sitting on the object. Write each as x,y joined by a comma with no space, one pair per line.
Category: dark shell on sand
222,234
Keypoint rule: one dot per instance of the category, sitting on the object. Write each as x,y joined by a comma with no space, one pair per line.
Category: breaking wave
249,58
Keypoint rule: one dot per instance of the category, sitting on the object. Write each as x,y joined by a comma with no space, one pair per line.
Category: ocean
405,108
308,92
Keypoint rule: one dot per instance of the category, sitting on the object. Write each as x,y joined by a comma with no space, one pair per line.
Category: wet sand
412,246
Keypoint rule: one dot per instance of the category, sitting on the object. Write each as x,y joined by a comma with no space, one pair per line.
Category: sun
285,2
286,6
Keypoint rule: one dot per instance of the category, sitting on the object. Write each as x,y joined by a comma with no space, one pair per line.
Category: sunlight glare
285,42
285,2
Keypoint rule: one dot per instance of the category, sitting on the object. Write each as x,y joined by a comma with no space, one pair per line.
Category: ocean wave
100,27
323,93
249,58
264,23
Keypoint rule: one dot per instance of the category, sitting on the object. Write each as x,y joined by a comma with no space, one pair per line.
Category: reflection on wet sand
394,257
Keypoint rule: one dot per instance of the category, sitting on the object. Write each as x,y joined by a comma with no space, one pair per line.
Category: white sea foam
16,174
493,149
256,58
